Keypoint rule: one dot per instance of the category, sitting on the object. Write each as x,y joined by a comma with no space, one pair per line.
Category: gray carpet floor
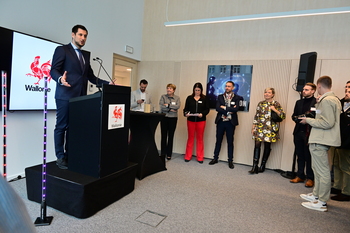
193,197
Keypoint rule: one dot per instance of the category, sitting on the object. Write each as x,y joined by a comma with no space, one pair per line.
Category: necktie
81,59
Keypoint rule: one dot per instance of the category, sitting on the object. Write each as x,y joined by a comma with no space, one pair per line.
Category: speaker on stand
307,67
306,74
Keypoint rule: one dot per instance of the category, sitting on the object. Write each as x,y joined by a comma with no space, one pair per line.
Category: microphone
100,61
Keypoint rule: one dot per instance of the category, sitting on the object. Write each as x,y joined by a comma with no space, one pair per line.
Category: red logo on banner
40,72
118,113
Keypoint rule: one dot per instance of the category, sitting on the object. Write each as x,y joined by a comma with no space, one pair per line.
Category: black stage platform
79,195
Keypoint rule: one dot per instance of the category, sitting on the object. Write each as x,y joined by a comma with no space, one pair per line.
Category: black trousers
304,156
167,126
221,128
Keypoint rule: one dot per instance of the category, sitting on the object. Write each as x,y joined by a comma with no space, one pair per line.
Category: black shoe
262,168
341,197
255,169
168,158
230,164
335,191
213,161
200,161
61,163
186,160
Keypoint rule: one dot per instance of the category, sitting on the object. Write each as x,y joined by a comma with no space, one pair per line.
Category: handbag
275,117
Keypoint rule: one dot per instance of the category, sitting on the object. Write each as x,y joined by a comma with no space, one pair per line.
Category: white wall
112,24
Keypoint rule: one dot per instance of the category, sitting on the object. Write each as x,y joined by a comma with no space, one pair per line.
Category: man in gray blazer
325,133
140,97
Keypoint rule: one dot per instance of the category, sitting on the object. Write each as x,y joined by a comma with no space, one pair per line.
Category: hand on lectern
114,82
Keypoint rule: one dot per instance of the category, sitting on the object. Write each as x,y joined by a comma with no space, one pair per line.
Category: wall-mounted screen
27,64
218,75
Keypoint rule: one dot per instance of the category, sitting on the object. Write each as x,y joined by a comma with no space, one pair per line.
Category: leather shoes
341,197
230,164
309,183
296,180
186,160
213,161
200,161
335,191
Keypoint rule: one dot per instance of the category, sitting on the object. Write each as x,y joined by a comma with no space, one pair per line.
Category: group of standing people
196,109
314,133
320,123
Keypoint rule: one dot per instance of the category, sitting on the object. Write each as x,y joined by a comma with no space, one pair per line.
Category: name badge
312,109
233,103
173,103
199,101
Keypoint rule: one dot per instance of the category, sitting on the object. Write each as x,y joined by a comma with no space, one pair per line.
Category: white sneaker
309,197
316,205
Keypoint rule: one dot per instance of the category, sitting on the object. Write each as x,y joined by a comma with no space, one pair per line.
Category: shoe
296,180
213,161
341,197
230,164
316,205
255,169
61,163
309,197
335,191
200,161
168,158
186,160
309,183
256,157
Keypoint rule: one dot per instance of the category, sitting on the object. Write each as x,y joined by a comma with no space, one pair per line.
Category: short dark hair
313,86
143,81
325,81
233,84
76,27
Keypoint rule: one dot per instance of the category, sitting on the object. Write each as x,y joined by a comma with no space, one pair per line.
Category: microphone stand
100,61
98,75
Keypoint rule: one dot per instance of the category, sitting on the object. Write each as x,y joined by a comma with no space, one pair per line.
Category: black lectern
98,132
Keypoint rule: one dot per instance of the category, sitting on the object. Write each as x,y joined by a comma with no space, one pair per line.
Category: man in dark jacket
71,70
301,134
341,162
226,120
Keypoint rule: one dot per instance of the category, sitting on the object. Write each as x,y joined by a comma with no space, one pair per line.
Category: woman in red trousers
196,109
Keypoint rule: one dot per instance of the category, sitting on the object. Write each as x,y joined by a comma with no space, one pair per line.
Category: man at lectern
140,97
71,70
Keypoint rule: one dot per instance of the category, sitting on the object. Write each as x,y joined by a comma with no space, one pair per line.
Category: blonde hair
272,90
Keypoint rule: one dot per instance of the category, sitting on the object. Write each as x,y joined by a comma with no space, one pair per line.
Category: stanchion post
44,220
4,109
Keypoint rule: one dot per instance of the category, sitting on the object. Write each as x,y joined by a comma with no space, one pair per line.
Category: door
124,70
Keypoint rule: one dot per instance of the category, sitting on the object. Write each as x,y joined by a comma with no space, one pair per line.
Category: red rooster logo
117,113
40,72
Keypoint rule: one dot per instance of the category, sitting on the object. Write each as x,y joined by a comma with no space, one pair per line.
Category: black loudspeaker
306,69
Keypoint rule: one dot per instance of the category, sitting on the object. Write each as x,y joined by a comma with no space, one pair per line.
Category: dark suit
301,136
65,59
226,126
